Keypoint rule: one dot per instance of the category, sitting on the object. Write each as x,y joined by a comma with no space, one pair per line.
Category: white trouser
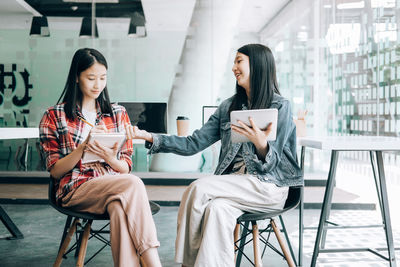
208,212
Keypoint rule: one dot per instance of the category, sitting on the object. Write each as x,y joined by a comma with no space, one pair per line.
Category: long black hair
83,59
263,82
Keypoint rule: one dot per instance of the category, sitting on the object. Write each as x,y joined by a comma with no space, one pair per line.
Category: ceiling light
44,30
351,5
302,36
383,3
132,32
137,26
39,27
137,31
90,1
280,47
86,28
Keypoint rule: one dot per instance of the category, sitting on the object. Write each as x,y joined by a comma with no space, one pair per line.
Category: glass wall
340,60
181,58
33,71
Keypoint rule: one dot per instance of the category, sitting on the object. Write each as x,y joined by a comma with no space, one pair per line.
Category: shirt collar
98,110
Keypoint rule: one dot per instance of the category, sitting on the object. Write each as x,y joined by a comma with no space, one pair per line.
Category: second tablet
261,117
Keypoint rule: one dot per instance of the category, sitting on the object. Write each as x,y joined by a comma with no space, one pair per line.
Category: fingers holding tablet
261,122
99,129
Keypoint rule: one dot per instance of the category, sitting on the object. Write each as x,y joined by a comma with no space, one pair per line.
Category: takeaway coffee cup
182,124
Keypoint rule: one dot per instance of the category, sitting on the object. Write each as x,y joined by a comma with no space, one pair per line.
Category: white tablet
261,117
105,139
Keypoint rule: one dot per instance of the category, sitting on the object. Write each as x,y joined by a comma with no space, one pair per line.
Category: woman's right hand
96,129
68,162
133,132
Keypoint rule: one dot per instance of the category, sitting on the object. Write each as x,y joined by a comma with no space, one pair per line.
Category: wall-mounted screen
151,117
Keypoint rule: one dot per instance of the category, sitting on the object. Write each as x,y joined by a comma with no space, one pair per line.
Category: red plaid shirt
59,136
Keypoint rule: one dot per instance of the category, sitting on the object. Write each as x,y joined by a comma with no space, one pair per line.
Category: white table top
19,133
351,143
27,133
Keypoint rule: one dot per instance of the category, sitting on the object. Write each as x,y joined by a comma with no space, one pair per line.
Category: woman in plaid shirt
102,186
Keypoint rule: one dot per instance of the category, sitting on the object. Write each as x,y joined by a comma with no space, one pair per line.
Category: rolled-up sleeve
49,139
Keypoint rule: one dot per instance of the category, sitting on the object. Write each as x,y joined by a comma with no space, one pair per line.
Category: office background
337,59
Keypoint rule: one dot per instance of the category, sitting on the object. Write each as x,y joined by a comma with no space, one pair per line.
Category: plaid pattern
59,136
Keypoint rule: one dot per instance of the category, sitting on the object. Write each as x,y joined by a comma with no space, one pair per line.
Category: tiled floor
42,228
347,238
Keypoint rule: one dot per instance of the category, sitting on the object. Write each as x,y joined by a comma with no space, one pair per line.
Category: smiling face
241,70
92,81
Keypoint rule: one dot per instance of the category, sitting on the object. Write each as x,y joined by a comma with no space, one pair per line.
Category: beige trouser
132,229
208,212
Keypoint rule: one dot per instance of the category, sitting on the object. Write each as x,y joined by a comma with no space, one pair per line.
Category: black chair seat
259,216
291,202
155,208
294,198
82,215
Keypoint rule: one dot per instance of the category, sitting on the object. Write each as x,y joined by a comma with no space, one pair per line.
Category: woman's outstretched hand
256,135
133,132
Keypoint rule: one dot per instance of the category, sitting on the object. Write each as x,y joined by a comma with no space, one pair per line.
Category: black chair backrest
52,192
293,198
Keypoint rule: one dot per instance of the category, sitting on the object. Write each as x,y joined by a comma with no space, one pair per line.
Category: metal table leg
385,209
325,205
301,227
26,155
9,224
301,211
378,191
328,214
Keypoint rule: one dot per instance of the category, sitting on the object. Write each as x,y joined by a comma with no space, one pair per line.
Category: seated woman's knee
131,180
114,205
199,186
216,206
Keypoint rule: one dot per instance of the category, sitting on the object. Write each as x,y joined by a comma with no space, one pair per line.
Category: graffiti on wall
14,94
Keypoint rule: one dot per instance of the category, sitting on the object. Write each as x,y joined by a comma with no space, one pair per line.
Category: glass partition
340,61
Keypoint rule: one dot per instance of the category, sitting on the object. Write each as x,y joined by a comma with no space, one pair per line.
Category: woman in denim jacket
253,176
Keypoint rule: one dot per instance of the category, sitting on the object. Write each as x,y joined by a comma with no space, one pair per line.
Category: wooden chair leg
236,238
142,263
65,244
277,232
82,250
256,245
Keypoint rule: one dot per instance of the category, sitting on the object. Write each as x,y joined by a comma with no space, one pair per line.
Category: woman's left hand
108,154
256,135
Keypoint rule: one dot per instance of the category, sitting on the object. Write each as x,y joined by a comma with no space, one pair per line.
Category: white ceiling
161,15
257,13
12,7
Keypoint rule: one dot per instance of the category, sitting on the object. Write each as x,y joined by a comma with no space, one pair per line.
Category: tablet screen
105,139
261,117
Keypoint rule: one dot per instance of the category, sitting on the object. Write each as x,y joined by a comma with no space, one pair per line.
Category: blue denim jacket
280,164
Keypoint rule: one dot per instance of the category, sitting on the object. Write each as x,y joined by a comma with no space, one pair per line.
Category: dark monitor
151,117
